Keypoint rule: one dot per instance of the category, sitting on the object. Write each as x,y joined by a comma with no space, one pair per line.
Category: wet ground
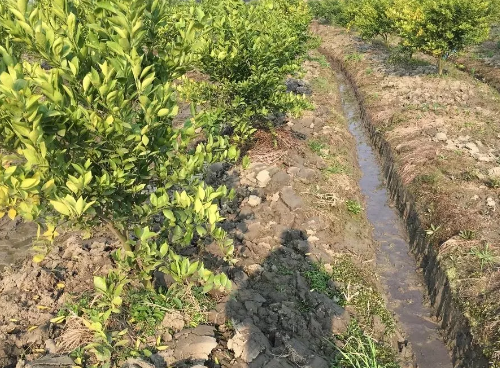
403,285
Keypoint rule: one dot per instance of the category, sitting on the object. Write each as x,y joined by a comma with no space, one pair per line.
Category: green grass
316,146
485,256
336,168
352,288
353,206
319,280
354,56
322,85
361,351
320,59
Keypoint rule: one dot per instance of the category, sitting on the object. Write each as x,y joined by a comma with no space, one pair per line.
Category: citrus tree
252,48
89,138
442,27
340,12
372,19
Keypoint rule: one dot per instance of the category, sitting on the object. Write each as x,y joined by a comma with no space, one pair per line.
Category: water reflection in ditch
395,265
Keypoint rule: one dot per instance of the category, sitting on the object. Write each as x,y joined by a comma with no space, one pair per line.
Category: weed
485,256
361,351
316,146
336,168
285,271
353,206
354,56
320,59
319,280
245,162
321,84
467,234
430,232
427,178
493,183
303,307
369,71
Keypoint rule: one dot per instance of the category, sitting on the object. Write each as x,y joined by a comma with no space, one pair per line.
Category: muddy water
396,266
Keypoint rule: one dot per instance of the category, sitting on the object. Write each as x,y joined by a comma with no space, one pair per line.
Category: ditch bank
466,352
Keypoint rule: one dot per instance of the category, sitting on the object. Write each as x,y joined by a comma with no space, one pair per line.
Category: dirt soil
292,227
444,133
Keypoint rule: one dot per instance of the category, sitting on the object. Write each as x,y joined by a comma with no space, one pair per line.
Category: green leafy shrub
92,139
372,19
333,11
253,47
442,27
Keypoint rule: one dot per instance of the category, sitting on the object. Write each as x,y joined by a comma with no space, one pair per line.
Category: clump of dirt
444,135
32,294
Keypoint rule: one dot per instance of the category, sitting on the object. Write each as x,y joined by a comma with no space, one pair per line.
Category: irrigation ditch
454,325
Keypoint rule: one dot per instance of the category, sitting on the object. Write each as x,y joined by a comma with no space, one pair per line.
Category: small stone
494,172
490,202
317,362
253,231
311,126
196,345
166,337
248,342
441,136
50,346
293,170
254,201
173,321
263,178
290,198
307,174
254,269
275,197
472,147
475,197
300,246
312,239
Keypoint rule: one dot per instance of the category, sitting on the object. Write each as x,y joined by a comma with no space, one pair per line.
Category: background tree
371,19
442,27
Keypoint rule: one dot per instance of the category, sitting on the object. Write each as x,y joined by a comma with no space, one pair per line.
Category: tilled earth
291,225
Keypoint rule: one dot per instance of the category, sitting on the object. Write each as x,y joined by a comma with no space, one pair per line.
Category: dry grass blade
271,148
75,335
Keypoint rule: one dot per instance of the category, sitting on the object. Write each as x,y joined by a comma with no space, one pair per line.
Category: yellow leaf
58,319
12,213
163,112
60,207
2,214
42,307
38,258
31,328
60,285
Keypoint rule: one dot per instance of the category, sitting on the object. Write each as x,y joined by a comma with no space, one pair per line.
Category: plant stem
121,236
440,65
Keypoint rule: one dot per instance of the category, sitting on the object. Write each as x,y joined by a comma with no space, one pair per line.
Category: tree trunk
440,65
385,36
